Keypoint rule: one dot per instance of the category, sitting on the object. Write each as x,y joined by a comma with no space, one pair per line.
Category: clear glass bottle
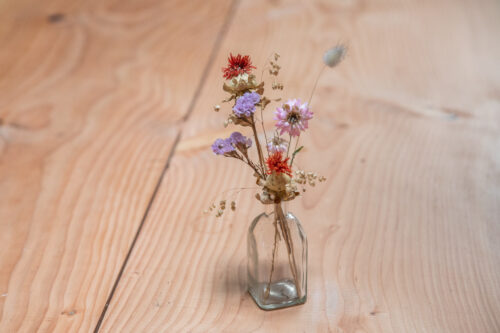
277,259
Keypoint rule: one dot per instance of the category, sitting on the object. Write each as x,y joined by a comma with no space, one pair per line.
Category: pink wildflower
292,117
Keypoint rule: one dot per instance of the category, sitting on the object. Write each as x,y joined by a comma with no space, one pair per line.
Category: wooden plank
91,95
404,235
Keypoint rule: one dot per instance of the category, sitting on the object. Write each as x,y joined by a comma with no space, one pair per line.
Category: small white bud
334,56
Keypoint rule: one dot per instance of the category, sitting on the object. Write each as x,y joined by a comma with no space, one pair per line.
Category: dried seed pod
334,56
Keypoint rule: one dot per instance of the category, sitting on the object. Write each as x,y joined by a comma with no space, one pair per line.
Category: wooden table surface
106,124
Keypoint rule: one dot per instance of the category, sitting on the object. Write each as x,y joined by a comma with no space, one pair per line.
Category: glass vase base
282,294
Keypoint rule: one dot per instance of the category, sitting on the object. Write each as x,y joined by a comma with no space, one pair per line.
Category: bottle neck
273,207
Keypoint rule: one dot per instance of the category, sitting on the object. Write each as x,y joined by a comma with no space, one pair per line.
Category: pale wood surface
403,237
89,102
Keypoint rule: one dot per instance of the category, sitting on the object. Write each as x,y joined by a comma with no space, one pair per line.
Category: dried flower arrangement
274,168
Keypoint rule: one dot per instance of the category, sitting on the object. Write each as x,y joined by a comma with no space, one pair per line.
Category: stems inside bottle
281,222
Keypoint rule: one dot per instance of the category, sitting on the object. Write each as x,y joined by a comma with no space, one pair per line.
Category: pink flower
292,117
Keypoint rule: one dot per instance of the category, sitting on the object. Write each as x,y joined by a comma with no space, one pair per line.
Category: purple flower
292,117
238,138
222,146
228,146
245,105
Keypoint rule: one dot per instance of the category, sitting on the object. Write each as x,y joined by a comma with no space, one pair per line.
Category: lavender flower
222,146
228,146
238,139
293,117
277,144
245,105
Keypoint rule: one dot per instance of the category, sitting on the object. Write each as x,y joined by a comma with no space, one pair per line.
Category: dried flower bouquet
273,170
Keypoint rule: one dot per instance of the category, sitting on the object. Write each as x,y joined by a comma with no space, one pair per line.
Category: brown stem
285,230
276,235
264,68
247,162
259,149
263,128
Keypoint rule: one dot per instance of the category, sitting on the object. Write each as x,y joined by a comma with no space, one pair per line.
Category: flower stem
294,150
288,147
315,84
247,162
263,128
276,235
285,230
259,148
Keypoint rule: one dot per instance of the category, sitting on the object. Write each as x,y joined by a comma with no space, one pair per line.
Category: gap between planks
218,42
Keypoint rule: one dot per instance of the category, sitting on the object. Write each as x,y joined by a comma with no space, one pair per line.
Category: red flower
277,164
237,65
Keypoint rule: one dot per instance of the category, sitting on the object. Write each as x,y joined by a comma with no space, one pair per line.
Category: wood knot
69,313
55,17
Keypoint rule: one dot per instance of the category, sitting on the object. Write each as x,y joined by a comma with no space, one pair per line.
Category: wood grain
404,235
91,93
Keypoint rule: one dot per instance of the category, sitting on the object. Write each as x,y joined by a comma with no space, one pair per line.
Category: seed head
334,56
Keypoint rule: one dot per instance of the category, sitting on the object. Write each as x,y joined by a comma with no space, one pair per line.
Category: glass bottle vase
277,259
